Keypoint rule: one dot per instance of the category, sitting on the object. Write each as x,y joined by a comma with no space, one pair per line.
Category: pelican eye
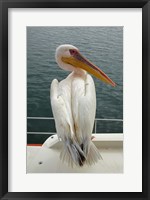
72,51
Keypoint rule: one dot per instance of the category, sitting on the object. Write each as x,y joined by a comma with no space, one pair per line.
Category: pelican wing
87,107
61,116
85,120
83,106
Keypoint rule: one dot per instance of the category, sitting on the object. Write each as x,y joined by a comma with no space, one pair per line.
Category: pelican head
69,58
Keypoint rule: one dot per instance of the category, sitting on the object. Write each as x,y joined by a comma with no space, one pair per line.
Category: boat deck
45,158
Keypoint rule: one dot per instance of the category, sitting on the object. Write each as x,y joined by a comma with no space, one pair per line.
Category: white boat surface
45,158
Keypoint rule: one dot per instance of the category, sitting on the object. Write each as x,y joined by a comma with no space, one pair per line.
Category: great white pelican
73,102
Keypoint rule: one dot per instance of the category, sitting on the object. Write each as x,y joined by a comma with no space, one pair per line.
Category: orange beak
77,60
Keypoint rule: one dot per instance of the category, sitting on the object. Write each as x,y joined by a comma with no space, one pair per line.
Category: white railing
51,118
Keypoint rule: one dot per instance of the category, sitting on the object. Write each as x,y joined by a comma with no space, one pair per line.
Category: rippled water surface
101,45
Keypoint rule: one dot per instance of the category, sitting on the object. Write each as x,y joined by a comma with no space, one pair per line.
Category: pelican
73,102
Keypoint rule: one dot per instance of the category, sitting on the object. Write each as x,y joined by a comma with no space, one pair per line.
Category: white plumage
73,102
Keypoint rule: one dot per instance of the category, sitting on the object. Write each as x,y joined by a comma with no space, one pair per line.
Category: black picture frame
4,6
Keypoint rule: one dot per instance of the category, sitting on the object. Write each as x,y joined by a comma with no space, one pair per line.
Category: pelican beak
78,61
